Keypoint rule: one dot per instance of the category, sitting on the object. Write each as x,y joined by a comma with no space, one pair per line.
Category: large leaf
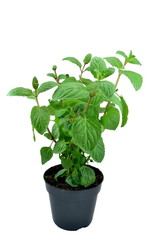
97,154
73,60
106,87
46,154
135,78
70,91
115,62
97,67
86,133
87,176
59,146
111,119
20,91
40,118
46,86
124,112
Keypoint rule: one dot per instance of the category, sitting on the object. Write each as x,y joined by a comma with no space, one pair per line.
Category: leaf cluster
74,119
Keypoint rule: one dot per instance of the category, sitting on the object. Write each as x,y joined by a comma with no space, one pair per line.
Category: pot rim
73,190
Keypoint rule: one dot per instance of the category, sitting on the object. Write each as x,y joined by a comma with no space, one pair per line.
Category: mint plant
75,119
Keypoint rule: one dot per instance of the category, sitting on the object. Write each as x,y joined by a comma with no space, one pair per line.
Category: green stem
82,71
90,98
116,84
56,76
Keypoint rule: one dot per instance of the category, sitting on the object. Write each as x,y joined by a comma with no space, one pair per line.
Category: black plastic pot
72,209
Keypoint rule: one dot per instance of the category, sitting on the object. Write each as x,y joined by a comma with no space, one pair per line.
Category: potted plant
73,121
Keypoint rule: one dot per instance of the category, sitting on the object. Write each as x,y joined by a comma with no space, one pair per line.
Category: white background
36,35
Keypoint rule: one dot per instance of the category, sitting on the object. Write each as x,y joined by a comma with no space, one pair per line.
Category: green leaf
124,112
60,112
51,75
97,154
87,176
108,88
46,86
87,58
55,131
71,181
86,133
135,78
46,154
62,76
134,61
73,60
86,81
60,173
48,136
35,83
20,91
66,162
111,119
88,69
122,54
108,72
69,80
59,146
115,62
40,118
97,67
70,91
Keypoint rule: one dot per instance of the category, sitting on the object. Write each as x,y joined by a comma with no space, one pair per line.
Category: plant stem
82,71
90,98
116,83
56,76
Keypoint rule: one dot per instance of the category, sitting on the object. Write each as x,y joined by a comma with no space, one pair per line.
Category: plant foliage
74,119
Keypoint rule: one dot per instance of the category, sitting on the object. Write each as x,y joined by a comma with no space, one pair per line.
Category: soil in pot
72,208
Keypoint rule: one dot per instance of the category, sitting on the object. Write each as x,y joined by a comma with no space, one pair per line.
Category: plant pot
74,208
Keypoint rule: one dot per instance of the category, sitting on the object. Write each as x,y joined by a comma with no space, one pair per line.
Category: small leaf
60,112
97,67
66,162
71,181
62,76
60,173
88,69
87,58
108,72
69,80
122,54
59,146
86,81
134,61
87,176
124,112
97,154
51,75
70,91
115,62
46,86
111,119
35,83
73,60
46,154
48,136
55,131
40,118
20,91
135,78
